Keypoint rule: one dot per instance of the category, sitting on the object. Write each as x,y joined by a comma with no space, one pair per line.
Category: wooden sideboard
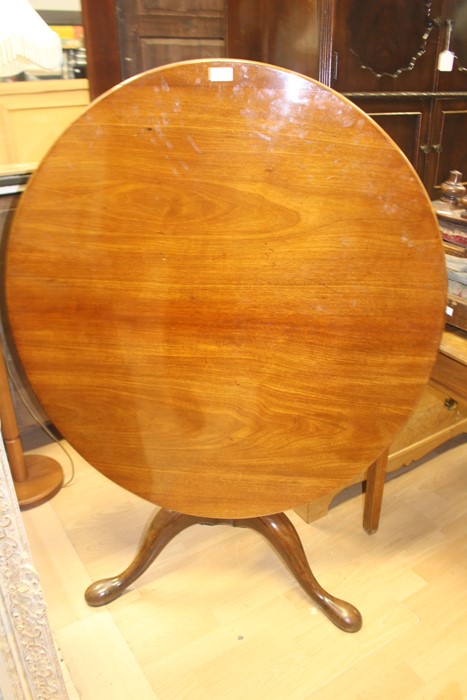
440,415
33,114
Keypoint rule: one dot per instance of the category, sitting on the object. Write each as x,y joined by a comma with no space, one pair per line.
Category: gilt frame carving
29,664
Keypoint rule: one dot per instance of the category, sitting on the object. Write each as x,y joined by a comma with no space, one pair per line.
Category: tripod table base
277,529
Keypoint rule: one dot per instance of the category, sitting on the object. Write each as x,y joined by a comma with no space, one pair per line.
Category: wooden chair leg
374,493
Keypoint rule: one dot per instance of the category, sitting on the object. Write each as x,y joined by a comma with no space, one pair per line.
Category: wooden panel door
157,32
125,37
429,131
406,121
286,34
453,31
385,45
447,141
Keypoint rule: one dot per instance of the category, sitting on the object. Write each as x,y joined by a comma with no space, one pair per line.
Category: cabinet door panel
406,122
455,81
156,32
459,31
449,143
286,34
182,18
454,11
384,45
158,52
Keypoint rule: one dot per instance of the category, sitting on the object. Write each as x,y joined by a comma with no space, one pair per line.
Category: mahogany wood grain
283,33
157,33
104,64
228,295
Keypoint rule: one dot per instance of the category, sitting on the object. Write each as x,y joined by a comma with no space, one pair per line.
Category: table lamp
25,40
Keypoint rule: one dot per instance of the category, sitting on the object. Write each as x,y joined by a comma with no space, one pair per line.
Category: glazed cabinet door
384,45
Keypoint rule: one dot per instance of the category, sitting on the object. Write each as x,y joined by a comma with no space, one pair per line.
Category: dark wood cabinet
156,32
126,37
286,34
383,45
102,45
355,45
382,54
428,129
447,139
405,120
393,45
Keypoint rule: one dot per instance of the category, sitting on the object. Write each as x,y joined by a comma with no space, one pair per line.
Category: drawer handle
450,404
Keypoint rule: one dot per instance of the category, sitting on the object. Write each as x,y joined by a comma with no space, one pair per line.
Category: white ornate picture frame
29,664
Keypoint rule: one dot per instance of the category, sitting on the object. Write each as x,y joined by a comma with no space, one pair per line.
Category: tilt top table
227,288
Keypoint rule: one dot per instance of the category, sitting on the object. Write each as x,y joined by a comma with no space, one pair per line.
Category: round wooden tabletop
227,287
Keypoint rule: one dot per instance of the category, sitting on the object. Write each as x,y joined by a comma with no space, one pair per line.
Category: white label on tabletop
221,74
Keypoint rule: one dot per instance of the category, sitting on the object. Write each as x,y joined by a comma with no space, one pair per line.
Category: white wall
74,5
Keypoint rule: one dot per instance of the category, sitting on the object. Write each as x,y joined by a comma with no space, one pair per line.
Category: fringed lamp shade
25,39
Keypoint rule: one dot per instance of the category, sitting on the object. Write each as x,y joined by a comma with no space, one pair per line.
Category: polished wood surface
285,34
127,37
104,64
422,109
227,294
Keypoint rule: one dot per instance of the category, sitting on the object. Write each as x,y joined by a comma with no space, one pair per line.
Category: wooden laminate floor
218,617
